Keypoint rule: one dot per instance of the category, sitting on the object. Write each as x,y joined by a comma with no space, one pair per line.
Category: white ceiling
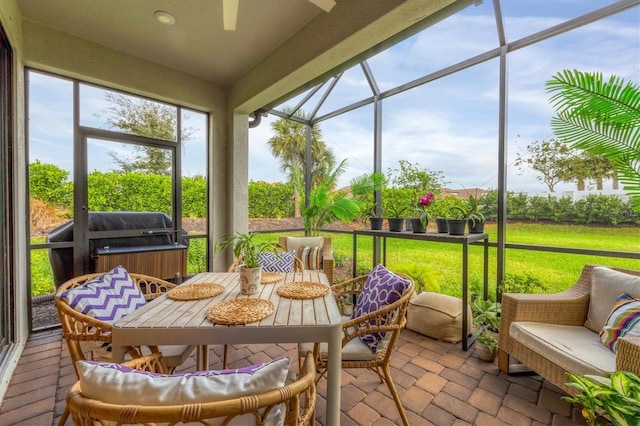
195,44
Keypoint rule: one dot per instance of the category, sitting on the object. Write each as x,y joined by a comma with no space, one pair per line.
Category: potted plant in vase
486,318
456,222
419,224
247,249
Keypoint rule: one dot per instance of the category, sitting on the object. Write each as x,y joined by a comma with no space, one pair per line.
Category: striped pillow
624,320
312,257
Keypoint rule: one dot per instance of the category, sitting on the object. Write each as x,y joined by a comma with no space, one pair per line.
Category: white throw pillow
117,384
606,285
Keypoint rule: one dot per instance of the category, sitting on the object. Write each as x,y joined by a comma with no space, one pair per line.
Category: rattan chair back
390,319
298,401
78,327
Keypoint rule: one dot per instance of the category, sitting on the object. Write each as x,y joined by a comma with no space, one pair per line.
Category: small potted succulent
471,213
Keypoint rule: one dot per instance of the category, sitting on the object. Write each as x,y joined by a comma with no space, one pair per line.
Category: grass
437,266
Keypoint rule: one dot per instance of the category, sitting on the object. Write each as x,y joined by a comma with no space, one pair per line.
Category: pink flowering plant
422,207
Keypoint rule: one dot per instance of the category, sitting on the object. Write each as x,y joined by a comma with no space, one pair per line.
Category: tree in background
144,118
552,159
585,167
288,144
602,118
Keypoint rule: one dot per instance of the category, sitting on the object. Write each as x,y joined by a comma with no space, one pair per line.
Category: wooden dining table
164,321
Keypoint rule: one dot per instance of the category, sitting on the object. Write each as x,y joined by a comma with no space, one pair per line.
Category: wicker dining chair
80,330
296,399
390,319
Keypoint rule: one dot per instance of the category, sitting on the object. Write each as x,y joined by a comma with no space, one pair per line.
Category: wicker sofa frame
567,308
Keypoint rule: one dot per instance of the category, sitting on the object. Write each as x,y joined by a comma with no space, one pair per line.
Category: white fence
579,195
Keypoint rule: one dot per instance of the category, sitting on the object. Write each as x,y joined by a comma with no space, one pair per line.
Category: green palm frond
602,118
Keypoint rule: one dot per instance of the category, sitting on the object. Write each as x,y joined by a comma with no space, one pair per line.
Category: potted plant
486,318
396,216
346,301
420,223
456,222
326,205
614,399
471,213
247,249
363,189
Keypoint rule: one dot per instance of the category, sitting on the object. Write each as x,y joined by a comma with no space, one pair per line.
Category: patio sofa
553,334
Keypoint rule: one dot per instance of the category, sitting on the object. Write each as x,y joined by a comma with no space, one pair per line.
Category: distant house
464,193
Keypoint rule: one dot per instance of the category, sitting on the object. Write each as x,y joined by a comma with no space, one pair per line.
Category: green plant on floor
488,339
486,314
614,399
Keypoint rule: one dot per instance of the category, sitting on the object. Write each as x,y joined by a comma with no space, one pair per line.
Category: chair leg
394,393
224,358
64,417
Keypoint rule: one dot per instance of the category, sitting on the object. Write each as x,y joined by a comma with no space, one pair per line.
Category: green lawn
437,266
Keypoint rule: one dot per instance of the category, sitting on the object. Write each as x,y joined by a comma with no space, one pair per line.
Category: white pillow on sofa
117,384
606,286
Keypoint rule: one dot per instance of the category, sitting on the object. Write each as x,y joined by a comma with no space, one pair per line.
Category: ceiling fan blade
325,5
230,14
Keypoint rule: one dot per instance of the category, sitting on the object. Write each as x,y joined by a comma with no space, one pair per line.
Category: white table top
166,321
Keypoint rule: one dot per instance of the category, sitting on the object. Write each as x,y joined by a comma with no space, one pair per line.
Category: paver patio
439,384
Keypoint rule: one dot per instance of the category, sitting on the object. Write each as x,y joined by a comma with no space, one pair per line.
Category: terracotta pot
484,353
250,280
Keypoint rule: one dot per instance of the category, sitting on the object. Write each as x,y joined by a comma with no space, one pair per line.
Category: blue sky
450,125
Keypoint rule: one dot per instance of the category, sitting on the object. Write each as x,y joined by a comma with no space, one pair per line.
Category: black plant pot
417,226
456,226
376,223
442,226
408,225
395,224
476,227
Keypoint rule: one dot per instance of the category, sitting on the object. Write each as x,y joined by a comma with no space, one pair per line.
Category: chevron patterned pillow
107,298
283,263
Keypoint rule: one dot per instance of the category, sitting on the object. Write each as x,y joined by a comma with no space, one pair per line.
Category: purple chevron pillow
108,297
381,288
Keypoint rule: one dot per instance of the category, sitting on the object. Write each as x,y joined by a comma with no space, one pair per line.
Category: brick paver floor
438,383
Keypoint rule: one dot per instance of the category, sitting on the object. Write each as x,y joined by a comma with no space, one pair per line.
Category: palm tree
289,146
601,118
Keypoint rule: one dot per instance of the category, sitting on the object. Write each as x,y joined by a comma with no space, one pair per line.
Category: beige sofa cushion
294,243
574,348
606,286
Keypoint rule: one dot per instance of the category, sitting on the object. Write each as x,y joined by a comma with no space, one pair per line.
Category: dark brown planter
442,226
417,226
476,227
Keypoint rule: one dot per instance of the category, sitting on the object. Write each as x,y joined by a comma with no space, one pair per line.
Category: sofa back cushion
606,286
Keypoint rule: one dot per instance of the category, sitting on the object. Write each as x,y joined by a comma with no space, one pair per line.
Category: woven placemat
271,277
240,311
195,291
303,290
